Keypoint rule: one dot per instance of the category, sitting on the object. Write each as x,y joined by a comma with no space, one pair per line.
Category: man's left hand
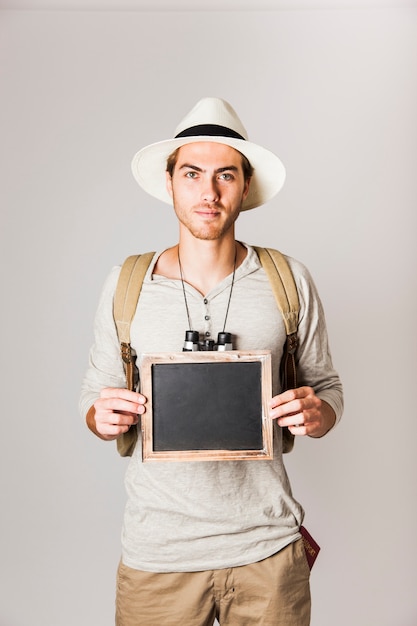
302,412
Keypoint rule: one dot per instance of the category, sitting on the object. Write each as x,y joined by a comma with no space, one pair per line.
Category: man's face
208,188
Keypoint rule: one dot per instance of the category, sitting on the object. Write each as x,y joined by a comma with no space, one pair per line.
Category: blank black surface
207,406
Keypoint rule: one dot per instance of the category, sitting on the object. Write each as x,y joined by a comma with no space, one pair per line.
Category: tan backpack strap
285,291
125,302
286,295
283,285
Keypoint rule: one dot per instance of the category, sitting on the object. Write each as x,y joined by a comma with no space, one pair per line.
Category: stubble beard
211,230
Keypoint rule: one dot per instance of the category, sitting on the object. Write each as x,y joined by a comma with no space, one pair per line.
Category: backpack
125,302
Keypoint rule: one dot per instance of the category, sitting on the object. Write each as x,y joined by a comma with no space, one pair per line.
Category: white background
334,93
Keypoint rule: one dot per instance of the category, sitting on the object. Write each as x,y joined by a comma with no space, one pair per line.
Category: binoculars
192,342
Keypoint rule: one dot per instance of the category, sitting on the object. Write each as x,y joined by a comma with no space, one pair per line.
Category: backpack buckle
292,343
126,352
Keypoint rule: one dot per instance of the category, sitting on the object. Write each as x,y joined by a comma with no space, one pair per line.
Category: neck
207,266
204,263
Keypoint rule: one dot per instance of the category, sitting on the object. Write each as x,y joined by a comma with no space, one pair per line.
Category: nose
209,191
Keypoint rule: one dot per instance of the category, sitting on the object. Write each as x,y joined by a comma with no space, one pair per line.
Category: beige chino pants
272,592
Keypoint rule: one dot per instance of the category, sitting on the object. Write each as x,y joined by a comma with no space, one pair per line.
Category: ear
246,188
168,182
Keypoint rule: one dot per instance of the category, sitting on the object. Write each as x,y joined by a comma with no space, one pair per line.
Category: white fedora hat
212,120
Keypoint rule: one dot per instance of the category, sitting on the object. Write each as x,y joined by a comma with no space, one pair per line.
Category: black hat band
211,130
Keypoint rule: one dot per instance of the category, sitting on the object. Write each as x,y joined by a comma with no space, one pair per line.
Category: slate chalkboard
205,406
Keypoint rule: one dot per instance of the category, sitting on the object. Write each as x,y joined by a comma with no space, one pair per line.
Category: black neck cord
185,296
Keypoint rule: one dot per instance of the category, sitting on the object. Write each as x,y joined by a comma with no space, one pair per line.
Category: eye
191,174
226,176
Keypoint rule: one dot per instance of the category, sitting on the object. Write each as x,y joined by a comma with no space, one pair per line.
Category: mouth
207,211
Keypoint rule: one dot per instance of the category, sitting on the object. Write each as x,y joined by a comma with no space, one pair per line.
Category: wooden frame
226,400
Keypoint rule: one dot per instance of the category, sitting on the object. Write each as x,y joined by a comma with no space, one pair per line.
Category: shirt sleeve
105,366
314,361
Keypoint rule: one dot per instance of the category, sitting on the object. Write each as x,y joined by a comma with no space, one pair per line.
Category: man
212,539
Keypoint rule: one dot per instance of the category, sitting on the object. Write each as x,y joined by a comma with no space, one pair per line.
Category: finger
298,429
119,405
283,398
288,409
109,421
304,416
295,419
123,418
124,394
309,405
290,395
113,430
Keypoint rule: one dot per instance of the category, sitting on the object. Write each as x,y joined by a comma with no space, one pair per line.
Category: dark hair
246,166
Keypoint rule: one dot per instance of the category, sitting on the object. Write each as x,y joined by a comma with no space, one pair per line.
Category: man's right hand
115,412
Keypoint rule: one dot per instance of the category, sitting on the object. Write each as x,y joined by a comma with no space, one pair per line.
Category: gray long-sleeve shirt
191,516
